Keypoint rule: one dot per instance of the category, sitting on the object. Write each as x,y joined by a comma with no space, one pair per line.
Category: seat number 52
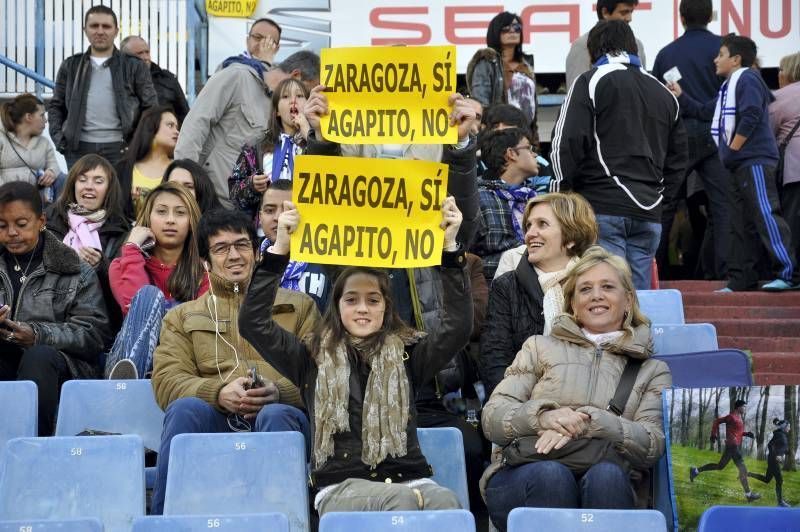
587,518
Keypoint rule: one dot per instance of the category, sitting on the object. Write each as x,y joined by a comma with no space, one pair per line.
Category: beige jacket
191,360
232,110
16,160
566,369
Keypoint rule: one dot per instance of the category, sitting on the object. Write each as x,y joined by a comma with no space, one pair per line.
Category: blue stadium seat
120,406
20,410
661,306
583,520
52,525
726,518
444,450
686,338
74,477
663,481
709,369
431,521
235,473
198,523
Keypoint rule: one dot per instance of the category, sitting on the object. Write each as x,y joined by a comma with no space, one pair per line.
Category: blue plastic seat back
444,450
661,306
122,406
273,522
663,480
20,407
74,477
728,518
426,521
52,525
583,520
709,369
686,338
235,473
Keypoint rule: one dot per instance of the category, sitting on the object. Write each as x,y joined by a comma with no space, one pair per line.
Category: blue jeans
190,415
550,484
141,328
634,240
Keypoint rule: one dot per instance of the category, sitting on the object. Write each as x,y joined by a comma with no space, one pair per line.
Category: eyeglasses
529,148
512,28
223,248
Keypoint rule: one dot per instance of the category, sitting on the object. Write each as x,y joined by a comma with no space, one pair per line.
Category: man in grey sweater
578,60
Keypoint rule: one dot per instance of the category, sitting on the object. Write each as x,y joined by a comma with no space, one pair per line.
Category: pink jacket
131,271
784,112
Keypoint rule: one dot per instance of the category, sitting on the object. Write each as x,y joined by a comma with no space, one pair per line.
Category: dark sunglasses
512,28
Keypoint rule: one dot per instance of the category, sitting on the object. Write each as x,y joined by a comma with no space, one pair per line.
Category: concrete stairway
766,324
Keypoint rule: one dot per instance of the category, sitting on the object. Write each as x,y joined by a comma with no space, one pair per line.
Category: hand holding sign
316,107
466,114
288,221
451,222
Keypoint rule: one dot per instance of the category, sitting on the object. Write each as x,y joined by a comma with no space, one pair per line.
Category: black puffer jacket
133,93
286,353
514,315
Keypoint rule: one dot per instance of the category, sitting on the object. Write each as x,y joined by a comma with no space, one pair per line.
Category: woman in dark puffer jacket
559,227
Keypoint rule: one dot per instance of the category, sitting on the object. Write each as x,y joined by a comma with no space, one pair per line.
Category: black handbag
579,455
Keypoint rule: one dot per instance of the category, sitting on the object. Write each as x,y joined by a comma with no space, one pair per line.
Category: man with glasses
206,377
504,190
578,60
264,41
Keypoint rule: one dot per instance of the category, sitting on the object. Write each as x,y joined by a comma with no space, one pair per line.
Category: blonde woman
560,443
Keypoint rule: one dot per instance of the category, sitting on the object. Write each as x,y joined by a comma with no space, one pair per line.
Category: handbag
579,455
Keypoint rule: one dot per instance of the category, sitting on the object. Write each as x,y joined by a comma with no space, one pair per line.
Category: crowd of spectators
163,253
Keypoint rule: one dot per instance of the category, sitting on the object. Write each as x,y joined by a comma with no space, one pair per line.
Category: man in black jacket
620,143
167,87
99,94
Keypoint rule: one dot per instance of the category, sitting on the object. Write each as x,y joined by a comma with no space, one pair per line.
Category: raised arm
280,348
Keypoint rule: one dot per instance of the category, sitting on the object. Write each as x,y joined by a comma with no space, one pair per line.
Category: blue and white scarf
293,272
622,57
724,120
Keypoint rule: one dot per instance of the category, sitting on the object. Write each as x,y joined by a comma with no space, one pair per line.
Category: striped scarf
724,121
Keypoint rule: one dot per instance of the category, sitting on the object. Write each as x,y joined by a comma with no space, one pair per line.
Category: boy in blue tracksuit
747,147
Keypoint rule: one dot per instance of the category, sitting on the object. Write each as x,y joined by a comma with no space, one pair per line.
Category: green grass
721,487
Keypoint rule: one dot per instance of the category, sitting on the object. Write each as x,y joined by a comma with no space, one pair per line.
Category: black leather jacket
286,353
133,93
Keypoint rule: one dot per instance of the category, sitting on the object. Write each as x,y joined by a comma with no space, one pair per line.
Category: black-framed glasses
529,148
223,248
516,27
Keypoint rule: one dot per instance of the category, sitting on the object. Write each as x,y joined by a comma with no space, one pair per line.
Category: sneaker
124,369
752,496
784,504
693,472
725,290
779,285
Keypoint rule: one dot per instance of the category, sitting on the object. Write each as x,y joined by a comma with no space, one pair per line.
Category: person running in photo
778,446
734,432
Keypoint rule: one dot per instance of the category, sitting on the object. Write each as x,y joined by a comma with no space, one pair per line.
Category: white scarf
724,121
553,302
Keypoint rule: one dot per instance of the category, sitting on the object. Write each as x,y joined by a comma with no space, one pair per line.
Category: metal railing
36,36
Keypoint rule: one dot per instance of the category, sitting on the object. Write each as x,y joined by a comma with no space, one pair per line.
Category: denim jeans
141,328
190,415
550,484
634,240
112,151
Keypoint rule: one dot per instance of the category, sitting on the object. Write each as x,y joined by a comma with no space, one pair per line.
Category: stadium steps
765,324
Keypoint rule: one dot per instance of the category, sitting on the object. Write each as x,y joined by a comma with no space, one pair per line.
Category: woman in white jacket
25,155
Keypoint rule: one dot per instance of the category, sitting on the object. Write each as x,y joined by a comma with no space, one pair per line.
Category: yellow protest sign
389,94
368,212
231,8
